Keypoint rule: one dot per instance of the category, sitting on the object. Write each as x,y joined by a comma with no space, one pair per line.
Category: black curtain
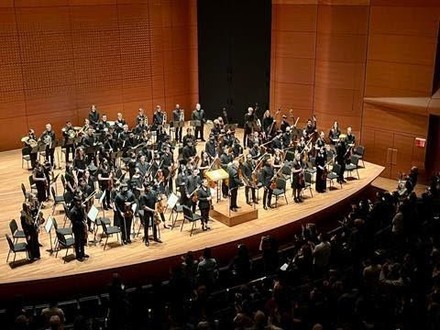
234,56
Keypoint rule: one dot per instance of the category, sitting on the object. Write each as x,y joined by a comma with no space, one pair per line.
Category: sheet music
101,199
93,213
172,200
49,224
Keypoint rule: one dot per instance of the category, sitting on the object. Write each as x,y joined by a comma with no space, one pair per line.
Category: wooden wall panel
69,54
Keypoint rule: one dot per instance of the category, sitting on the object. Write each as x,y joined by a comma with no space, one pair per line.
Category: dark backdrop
234,55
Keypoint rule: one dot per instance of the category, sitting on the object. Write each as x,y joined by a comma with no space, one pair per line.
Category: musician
48,138
158,120
225,159
189,151
105,180
278,159
267,175
93,116
310,130
211,147
268,124
228,139
178,116
188,137
77,216
69,135
89,143
47,168
248,172
103,125
39,177
30,144
225,118
320,141
181,180
287,138
254,139
234,183
30,224
276,141
79,162
120,122
123,213
156,165
298,182
216,129
199,115
205,202
341,157
147,203
284,124
141,118
249,124
255,151
193,183
85,191
321,171
333,134
350,139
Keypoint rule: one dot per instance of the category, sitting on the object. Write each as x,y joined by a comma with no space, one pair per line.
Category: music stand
195,123
172,201
216,176
92,216
48,227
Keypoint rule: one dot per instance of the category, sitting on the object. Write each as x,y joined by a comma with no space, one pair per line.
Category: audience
378,268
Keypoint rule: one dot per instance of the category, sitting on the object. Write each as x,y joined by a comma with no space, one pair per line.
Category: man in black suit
204,195
234,184
77,216
267,175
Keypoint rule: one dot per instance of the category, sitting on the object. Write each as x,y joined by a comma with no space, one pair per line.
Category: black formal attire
283,125
248,168
94,118
158,122
187,138
298,182
69,143
41,185
204,205
124,222
188,152
105,185
225,159
249,122
200,116
181,181
210,148
333,135
341,158
48,137
31,233
321,176
267,173
234,184
178,116
255,152
193,183
89,143
149,199
268,126
77,216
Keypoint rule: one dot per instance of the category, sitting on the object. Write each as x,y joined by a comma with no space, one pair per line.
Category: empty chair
25,156
190,217
175,211
280,190
109,231
308,182
26,195
15,231
286,172
15,248
64,242
66,232
360,151
353,165
334,174
57,199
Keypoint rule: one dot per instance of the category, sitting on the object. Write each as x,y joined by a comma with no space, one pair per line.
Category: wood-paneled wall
59,57
328,55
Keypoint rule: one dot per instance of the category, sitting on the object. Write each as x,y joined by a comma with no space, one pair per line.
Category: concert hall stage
50,276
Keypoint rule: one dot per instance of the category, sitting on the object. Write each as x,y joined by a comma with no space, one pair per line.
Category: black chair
15,231
109,231
25,156
353,165
32,184
15,248
26,195
65,232
286,172
280,190
360,151
64,242
190,217
311,165
334,174
175,212
308,182
56,199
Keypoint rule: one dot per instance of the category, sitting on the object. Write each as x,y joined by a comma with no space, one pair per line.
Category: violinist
29,223
105,179
205,202
255,138
321,171
147,203
123,213
255,151
267,175
320,141
189,151
248,171
268,124
298,182
85,191
234,184
205,163
341,157
78,216
225,159
181,180
188,137
310,130
287,138
161,187
71,182
278,159
276,141
192,185
237,149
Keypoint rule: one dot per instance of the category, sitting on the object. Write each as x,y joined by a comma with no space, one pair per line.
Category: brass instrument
47,139
29,141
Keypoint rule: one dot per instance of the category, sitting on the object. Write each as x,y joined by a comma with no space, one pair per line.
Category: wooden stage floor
135,258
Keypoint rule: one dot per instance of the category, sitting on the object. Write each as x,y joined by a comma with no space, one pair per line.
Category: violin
128,211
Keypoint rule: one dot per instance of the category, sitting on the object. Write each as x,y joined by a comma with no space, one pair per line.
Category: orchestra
100,153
